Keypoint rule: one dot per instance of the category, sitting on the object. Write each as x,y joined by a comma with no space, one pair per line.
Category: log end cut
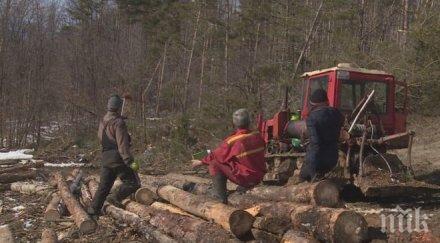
241,222
145,196
87,226
350,227
327,194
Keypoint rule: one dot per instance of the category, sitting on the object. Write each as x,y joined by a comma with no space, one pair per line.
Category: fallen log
22,167
82,219
237,221
13,177
145,196
29,188
293,236
170,208
322,193
330,224
187,229
151,234
272,225
198,180
6,234
51,213
264,237
49,236
244,200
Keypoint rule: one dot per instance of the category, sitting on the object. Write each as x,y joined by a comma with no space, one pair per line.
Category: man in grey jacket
117,160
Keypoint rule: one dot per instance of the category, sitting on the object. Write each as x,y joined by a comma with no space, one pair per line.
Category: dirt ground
24,213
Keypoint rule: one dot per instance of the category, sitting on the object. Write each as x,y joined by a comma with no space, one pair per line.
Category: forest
188,64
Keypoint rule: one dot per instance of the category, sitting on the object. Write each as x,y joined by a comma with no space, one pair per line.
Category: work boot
94,214
113,199
219,185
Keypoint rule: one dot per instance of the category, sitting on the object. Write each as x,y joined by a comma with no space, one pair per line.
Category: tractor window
353,91
318,83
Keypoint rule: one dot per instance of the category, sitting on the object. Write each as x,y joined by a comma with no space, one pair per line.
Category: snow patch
17,154
71,164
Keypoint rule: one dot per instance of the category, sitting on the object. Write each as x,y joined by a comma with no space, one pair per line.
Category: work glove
134,166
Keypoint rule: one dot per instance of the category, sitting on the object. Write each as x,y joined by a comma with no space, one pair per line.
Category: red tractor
375,107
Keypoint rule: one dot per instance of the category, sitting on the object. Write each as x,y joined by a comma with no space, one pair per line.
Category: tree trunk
49,236
187,229
22,167
159,88
272,225
237,221
52,213
82,220
8,178
6,234
151,234
170,208
29,188
264,236
329,224
293,236
322,193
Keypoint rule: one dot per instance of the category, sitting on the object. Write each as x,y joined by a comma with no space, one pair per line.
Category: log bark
29,188
151,234
330,224
9,177
51,213
49,236
237,221
272,225
293,236
264,237
170,208
244,200
6,234
185,228
37,164
322,193
82,219
86,196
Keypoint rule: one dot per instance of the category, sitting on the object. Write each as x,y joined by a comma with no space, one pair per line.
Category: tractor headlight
342,74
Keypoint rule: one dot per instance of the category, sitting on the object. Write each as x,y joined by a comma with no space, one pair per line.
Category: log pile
162,211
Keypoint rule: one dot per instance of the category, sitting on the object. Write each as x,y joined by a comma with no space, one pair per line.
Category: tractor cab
346,86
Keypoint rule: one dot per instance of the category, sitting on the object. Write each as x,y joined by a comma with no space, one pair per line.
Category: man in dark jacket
117,160
324,126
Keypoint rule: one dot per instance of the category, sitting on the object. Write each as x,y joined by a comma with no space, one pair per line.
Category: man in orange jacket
239,158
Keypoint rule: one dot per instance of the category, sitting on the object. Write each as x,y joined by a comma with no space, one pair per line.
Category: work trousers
130,183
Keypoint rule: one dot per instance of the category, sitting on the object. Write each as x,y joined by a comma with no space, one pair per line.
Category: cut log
322,193
5,187
49,236
82,219
6,234
187,229
13,177
273,225
145,196
244,200
330,224
293,236
237,221
151,234
264,237
30,188
170,208
197,180
52,213
22,167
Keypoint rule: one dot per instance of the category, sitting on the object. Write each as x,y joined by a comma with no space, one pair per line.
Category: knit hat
114,103
241,118
319,96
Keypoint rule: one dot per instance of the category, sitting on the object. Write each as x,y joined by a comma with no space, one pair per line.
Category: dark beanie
319,96
114,103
